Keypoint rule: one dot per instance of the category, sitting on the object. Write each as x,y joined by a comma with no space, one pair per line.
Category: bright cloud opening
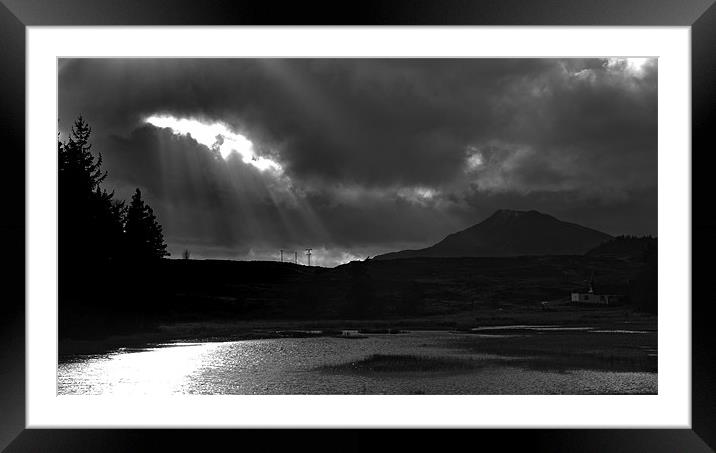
474,161
418,195
216,136
633,66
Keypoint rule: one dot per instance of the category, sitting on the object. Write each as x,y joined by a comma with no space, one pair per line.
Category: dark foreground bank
170,295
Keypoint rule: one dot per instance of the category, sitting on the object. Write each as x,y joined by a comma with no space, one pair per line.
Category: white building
591,298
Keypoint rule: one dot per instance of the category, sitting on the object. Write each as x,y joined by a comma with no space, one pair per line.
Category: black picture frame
16,15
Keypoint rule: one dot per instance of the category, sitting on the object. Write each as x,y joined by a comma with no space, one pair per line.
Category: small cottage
591,298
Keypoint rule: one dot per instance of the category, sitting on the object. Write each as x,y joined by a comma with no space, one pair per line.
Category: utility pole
308,254
295,257
282,255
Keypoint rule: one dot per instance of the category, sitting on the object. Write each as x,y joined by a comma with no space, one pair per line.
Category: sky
240,158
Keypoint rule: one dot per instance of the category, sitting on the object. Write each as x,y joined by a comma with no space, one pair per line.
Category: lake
415,362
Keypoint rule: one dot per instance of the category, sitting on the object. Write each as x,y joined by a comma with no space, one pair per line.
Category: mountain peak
509,232
511,216
516,213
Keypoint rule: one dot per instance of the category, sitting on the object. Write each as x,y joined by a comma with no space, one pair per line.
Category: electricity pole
295,257
282,255
308,254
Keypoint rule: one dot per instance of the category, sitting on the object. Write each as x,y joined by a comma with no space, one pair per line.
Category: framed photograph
411,216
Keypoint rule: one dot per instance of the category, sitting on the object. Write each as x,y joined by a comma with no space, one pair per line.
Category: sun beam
216,136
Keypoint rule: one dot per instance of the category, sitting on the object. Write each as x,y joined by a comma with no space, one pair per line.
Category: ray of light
293,222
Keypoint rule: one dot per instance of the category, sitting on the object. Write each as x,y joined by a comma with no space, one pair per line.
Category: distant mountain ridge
627,247
512,233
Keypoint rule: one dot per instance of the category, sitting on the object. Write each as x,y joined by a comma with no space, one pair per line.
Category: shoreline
223,330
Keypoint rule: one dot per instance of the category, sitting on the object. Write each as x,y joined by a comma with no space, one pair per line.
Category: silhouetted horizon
430,250
240,158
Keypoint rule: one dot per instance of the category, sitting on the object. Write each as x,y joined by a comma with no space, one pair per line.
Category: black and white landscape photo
357,226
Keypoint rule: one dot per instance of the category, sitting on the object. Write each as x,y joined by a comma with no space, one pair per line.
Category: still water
298,366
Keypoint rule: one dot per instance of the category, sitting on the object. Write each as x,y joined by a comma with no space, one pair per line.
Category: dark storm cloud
375,153
332,119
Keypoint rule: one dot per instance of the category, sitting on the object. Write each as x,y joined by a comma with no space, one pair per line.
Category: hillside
200,291
626,247
512,233
380,288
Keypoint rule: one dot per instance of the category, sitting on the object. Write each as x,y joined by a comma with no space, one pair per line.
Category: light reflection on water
289,366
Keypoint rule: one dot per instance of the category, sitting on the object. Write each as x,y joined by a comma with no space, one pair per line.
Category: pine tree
79,169
100,239
90,220
144,237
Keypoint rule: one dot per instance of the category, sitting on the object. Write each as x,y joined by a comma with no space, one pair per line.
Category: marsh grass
590,361
563,351
389,363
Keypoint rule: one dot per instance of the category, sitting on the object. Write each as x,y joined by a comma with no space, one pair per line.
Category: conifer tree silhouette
90,220
101,241
145,240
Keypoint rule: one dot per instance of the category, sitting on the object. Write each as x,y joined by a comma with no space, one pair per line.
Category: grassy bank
556,344
445,291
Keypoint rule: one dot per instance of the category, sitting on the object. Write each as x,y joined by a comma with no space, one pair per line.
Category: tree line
110,250
95,227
